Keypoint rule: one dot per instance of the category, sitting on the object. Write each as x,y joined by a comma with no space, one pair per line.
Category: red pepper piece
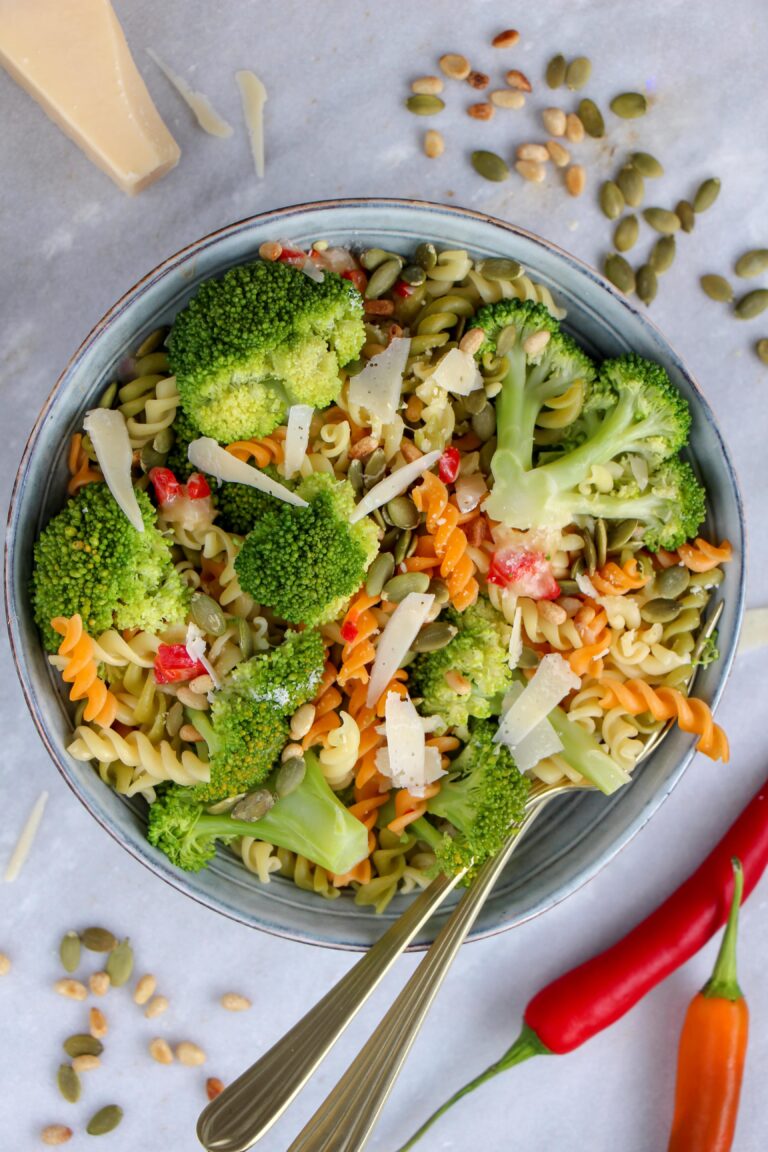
448,465
525,572
357,277
173,664
403,289
292,256
167,487
349,631
197,486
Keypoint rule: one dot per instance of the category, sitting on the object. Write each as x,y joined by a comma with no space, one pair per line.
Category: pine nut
55,1134
536,342
86,1063
554,120
233,1002
213,1087
145,987
99,983
270,250
366,444
537,152
189,733
454,65
559,155
427,86
434,144
574,129
554,613
575,179
97,1023
202,685
506,39
530,170
302,720
472,341
190,1054
160,1050
482,111
410,452
517,79
156,1007
190,699
71,989
458,683
5,964
507,98
290,751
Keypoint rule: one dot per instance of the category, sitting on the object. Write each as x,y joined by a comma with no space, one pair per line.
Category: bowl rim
155,276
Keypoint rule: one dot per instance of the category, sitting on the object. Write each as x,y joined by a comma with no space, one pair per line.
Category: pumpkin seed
706,195
69,1083
762,350
207,614
489,166
380,571
629,105
528,658
476,402
590,553
486,455
150,458
414,275
662,220
98,940
255,804
439,589
663,254
611,200
484,423
592,118
379,518
626,234
499,269
244,638
620,273
568,587
646,284
601,542
433,637
556,70
107,398
423,105
621,533
401,586
632,185
717,288
82,1044
355,476
752,263
405,541
578,73
105,1120
375,467
372,257
752,304
119,965
290,775
647,165
671,582
382,279
402,512
69,951
684,210
426,256
660,611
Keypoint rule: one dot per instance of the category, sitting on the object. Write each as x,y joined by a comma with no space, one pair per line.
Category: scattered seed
290,775
662,220
254,806
83,1044
646,165
592,119
473,340
536,152
434,144
98,940
379,572
401,512
213,1087
372,257
97,1023
556,70
454,65
156,1007
611,200
105,1120
69,951
99,983
432,637
270,250
289,751
574,129
663,254
717,288
489,166
413,273
660,611
5,964
396,589
752,263
427,86
536,342
553,120
575,179
69,1083
559,155
762,350
646,284
189,733
507,98
531,170
423,105
120,964
629,105
301,722
626,233
72,989
189,1053
684,209
707,194
620,273
632,185
457,682
752,304
234,1002
578,73
55,1134
506,39
160,1050
479,80
383,278
86,1063
483,111
518,80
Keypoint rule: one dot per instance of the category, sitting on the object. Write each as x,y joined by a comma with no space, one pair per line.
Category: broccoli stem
581,751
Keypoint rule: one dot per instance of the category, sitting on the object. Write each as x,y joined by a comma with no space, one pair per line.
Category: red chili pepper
591,997
448,465
524,572
166,485
400,288
349,631
358,278
197,486
173,664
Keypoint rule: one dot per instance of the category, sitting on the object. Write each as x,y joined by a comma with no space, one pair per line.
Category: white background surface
71,244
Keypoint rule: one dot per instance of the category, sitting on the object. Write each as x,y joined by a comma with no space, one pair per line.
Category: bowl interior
577,835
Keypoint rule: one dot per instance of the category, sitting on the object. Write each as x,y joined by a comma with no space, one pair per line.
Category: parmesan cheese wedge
73,59
378,387
540,742
551,681
406,760
458,373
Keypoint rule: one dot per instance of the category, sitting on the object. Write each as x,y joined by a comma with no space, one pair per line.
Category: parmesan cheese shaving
406,760
210,457
112,445
378,387
543,741
400,632
754,630
552,680
296,437
516,639
457,372
195,646
26,839
253,96
470,490
394,484
202,109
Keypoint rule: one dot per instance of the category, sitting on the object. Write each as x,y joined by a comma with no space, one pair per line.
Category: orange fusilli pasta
636,697
612,580
82,672
81,470
326,702
358,652
449,542
701,556
409,807
267,450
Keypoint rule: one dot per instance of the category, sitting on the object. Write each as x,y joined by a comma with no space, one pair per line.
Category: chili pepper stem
723,983
526,1046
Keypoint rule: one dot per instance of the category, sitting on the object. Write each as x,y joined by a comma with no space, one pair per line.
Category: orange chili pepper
713,1045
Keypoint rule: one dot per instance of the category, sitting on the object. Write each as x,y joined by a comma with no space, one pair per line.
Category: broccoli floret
184,432
248,727
261,338
90,559
481,797
241,507
311,821
478,652
305,563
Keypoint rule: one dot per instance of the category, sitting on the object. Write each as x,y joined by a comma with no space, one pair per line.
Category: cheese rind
74,60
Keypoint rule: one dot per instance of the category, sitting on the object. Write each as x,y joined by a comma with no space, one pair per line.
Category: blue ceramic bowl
577,836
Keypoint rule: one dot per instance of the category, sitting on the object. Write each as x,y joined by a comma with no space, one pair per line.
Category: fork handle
248,1107
347,1117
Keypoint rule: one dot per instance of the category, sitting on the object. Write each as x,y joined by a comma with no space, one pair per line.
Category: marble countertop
71,244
